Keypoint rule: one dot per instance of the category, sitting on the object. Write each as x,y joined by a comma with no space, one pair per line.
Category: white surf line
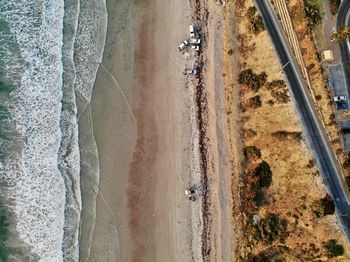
121,90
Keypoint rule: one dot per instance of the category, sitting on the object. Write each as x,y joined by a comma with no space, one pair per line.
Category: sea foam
40,168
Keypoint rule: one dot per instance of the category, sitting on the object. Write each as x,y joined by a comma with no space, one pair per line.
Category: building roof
327,55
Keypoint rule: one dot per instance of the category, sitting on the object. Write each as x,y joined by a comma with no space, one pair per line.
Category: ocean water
49,51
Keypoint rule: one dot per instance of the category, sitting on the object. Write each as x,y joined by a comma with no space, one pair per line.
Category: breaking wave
49,53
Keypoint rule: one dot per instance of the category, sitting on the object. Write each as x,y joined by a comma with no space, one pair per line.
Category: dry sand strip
164,225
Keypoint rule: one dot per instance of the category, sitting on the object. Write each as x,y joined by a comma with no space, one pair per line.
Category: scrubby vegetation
252,80
262,176
269,229
253,102
313,13
323,207
251,11
281,96
277,83
283,135
341,34
251,152
257,24
278,90
334,6
333,249
255,20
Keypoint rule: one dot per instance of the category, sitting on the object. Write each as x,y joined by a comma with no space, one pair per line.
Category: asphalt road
343,19
313,130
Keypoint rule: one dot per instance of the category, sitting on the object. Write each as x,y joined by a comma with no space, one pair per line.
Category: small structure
327,56
191,71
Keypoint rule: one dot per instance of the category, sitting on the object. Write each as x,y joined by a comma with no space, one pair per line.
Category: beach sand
144,123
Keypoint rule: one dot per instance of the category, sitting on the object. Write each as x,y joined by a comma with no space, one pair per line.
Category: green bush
323,207
281,95
276,83
252,80
257,24
333,249
270,229
255,101
251,152
313,13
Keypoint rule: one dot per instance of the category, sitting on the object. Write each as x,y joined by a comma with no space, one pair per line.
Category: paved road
313,129
343,19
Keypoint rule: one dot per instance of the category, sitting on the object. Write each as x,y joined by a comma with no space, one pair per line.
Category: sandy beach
150,144
144,119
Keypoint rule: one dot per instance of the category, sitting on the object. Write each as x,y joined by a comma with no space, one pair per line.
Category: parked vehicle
196,41
192,31
191,191
191,71
330,81
183,45
195,47
339,98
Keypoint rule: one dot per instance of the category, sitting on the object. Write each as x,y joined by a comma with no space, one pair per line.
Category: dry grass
296,183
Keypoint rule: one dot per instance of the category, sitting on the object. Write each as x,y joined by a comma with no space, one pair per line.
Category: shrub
273,228
281,96
264,174
346,163
252,80
323,207
334,6
283,135
251,11
333,249
270,102
257,24
312,12
318,97
251,152
262,179
276,83
328,205
255,101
